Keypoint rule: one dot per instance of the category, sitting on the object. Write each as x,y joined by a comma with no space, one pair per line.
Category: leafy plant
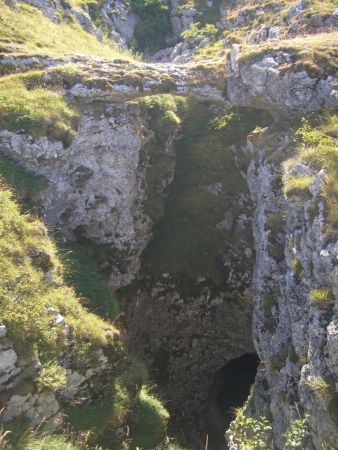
52,376
297,434
250,433
196,31
153,26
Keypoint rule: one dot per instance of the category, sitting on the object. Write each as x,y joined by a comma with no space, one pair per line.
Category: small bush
321,298
297,435
251,433
51,377
153,26
196,31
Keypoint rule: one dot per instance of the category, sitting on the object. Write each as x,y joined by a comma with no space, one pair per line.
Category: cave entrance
230,389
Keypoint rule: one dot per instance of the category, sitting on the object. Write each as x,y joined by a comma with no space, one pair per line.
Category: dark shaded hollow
230,389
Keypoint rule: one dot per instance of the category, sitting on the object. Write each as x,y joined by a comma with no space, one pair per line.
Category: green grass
39,111
27,255
317,54
321,298
144,413
27,30
103,417
42,442
298,186
82,273
27,186
151,425
317,148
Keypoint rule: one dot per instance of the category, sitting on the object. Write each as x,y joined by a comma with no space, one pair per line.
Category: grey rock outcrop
296,339
263,84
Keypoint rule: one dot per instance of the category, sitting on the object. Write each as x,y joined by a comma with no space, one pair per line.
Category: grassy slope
28,262
27,30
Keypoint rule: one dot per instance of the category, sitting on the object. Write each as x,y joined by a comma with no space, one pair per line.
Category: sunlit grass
27,256
27,30
37,111
316,53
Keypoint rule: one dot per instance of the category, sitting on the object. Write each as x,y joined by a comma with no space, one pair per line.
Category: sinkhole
230,389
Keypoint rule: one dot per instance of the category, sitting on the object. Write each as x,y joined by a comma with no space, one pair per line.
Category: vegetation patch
26,29
297,266
38,111
27,186
316,54
32,283
83,274
153,26
198,32
321,298
151,425
298,187
317,148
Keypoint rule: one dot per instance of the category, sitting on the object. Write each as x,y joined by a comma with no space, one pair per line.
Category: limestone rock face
296,340
96,186
20,395
120,19
263,84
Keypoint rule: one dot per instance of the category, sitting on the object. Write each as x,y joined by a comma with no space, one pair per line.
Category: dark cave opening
230,389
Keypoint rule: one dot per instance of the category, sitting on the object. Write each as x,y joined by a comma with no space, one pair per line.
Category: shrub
153,26
321,298
250,433
51,377
195,31
297,435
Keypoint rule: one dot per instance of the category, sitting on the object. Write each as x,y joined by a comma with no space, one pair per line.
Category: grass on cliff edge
38,111
317,148
31,281
27,30
317,54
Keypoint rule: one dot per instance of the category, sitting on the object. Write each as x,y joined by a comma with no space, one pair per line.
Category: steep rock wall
294,337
